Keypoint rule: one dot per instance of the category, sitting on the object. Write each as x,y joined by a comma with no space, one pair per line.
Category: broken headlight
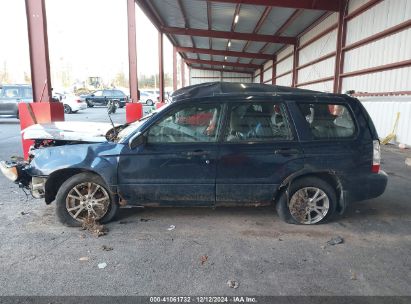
9,171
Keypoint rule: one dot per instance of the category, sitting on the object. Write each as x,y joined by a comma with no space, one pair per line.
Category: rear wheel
89,104
67,109
149,102
84,196
311,201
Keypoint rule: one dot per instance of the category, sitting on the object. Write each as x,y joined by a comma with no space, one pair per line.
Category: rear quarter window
328,121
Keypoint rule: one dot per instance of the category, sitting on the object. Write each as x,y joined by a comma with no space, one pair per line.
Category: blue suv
307,153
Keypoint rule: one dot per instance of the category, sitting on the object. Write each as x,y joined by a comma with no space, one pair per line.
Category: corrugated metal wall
198,76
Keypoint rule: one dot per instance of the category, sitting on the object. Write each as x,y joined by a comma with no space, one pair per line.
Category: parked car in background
101,98
147,98
72,103
309,154
11,95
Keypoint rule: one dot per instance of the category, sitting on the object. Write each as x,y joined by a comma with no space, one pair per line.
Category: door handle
196,153
286,151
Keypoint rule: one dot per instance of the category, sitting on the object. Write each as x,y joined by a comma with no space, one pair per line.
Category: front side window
261,122
197,123
98,93
327,120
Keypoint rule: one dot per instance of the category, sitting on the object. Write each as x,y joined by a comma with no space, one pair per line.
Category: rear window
328,120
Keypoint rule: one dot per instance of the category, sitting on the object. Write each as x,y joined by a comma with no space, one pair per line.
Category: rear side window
328,120
257,122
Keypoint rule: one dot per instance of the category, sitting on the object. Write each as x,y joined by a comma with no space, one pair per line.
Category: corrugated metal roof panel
231,59
201,42
218,58
191,55
244,60
196,13
248,18
301,23
275,19
223,14
272,48
259,61
183,40
219,43
169,12
255,47
205,56
237,45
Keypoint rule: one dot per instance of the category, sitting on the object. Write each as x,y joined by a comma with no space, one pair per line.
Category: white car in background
71,102
148,98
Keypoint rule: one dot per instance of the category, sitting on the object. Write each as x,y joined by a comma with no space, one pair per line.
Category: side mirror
137,140
92,95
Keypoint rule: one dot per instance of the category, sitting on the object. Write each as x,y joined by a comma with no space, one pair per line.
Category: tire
299,215
89,105
149,102
80,182
67,109
117,104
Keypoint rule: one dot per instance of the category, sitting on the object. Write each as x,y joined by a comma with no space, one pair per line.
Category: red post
341,40
41,110
134,110
274,70
132,50
295,65
183,74
262,74
161,66
174,68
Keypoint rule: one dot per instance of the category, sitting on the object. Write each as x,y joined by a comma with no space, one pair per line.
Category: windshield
131,128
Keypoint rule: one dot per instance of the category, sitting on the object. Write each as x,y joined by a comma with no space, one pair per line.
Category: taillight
376,156
78,101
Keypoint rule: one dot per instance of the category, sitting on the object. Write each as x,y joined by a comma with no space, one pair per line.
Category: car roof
213,89
14,85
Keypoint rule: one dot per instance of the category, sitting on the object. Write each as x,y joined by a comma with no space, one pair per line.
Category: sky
86,37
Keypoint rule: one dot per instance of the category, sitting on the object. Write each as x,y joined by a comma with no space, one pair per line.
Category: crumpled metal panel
196,12
301,23
277,17
169,12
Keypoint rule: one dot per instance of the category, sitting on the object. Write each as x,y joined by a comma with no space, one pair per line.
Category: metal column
341,40
295,65
161,66
183,74
39,52
174,69
274,70
132,50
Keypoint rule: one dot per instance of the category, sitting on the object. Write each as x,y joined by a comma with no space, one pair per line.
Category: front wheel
84,196
311,201
67,109
149,102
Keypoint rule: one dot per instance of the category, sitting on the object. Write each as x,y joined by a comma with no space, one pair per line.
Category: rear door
9,99
259,149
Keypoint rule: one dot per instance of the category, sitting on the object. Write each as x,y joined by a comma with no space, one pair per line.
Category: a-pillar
41,110
134,109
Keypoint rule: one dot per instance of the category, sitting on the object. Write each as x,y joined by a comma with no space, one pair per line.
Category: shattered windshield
131,128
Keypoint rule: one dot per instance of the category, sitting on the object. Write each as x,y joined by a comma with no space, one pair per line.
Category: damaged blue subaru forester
307,153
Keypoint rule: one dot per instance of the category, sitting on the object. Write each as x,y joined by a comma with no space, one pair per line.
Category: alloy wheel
309,205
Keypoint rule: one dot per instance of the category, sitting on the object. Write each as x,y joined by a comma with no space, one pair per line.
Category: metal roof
234,35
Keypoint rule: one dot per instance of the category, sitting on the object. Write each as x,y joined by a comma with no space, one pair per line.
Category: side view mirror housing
137,140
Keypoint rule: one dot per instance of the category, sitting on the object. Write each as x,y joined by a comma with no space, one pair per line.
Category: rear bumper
365,187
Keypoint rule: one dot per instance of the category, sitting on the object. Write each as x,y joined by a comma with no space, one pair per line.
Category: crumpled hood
69,131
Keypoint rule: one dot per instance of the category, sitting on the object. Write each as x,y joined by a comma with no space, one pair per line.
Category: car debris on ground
92,226
102,265
84,259
233,284
408,161
106,248
203,259
172,227
335,240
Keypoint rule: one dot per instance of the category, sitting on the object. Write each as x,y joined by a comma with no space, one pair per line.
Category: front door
177,164
258,151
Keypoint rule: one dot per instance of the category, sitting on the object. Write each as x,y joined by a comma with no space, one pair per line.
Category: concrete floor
38,256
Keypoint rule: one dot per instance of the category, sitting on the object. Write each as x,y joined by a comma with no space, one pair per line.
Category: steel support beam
160,66
223,53
295,66
274,70
132,50
174,69
228,35
39,52
223,70
183,73
223,63
325,5
339,55
262,74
